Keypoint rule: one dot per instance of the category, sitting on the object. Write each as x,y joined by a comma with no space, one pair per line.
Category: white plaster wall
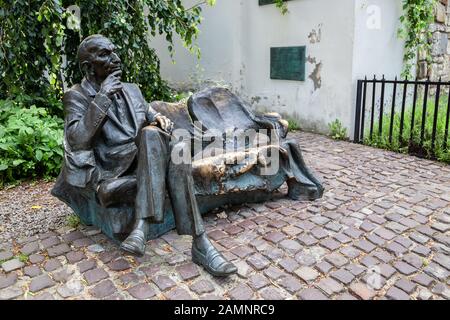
313,105
377,48
236,36
221,49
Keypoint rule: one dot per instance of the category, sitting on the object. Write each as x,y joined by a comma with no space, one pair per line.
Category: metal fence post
358,112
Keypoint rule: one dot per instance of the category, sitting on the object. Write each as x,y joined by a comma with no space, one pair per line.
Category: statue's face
104,60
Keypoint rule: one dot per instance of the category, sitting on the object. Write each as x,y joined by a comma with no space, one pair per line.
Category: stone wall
440,50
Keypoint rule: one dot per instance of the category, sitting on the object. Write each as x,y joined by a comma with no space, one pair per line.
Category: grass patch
293,125
22,258
337,130
410,139
73,221
3,261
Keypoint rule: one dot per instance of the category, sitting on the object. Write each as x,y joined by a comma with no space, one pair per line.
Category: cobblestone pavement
380,232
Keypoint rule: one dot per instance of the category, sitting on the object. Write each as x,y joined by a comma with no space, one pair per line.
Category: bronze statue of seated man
114,140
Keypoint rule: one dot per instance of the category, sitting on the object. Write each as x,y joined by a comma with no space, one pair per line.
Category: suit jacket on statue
99,144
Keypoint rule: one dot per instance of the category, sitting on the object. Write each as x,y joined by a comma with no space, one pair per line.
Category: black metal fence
404,115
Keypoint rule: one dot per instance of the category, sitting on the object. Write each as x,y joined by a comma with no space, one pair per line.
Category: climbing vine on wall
417,17
281,4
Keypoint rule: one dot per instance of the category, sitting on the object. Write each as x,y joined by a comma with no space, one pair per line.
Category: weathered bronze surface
119,175
288,63
117,154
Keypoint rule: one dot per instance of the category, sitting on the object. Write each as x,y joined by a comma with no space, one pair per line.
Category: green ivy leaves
416,20
281,4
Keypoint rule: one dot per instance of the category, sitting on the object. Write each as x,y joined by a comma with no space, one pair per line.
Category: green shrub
337,130
23,257
73,220
181,96
293,125
30,141
412,140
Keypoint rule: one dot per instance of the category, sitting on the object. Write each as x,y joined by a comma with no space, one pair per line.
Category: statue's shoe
213,261
134,243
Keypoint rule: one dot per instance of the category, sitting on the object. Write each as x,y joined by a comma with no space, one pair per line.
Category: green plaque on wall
288,63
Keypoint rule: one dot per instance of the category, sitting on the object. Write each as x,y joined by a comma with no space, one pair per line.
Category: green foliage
402,143
293,125
30,140
22,258
126,24
34,38
281,4
35,35
337,130
73,221
415,29
3,261
182,96
30,44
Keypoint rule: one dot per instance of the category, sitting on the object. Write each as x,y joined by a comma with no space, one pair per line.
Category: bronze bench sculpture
117,159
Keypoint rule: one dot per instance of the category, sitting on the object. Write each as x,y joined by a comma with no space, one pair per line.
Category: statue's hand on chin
112,85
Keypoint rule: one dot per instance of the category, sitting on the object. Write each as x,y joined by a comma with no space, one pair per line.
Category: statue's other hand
164,123
111,85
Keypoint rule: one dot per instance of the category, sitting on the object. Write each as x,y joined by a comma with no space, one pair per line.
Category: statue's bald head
90,46
97,57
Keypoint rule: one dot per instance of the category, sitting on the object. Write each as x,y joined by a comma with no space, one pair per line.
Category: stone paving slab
381,231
